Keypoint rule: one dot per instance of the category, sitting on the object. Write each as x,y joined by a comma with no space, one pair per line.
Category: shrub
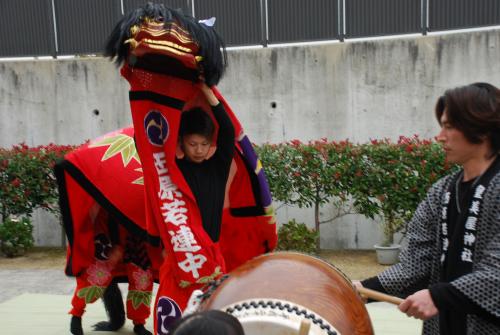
297,237
27,180
16,236
308,174
392,179
379,179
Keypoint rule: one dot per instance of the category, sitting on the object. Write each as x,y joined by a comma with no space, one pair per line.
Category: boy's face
195,147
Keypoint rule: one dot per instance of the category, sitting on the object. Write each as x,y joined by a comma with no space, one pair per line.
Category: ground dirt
37,258
356,264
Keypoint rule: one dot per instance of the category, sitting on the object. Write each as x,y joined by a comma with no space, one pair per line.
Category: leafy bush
16,236
27,180
297,237
393,179
379,179
308,175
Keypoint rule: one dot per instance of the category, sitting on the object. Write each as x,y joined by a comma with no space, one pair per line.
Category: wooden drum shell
297,278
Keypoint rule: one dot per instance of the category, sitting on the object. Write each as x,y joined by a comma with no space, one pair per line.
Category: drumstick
305,325
366,292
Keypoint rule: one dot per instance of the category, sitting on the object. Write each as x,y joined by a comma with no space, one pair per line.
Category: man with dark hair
206,172
450,270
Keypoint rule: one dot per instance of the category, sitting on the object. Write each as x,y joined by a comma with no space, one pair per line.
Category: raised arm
225,137
209,94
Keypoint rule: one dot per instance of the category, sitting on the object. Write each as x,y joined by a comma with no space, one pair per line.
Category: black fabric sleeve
446,297
225,138
373,283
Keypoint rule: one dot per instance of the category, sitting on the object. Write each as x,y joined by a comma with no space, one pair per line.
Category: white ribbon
208,22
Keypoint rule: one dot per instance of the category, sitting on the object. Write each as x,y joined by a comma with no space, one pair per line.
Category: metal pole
56,46
264,23
425,16
341,19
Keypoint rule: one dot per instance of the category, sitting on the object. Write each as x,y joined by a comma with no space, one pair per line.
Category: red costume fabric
191,259
107,236
108,173
111,261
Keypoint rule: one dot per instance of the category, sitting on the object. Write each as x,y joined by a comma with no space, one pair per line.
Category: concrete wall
60,101
352,90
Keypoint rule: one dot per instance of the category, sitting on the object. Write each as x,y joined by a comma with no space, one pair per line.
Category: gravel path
15,282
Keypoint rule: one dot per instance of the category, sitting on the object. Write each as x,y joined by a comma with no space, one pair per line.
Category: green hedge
380,178
27,180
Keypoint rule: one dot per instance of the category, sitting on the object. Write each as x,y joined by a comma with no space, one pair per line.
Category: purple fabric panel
251,157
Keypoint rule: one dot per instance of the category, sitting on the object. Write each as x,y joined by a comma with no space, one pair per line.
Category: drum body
275,293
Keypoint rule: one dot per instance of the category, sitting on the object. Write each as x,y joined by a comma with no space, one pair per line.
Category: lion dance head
164,40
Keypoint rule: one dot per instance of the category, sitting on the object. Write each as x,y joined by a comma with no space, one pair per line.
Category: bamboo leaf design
184,284
202,280
206,279
82,292
140,180
147,299
139,297
91,293
119,144
136,301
